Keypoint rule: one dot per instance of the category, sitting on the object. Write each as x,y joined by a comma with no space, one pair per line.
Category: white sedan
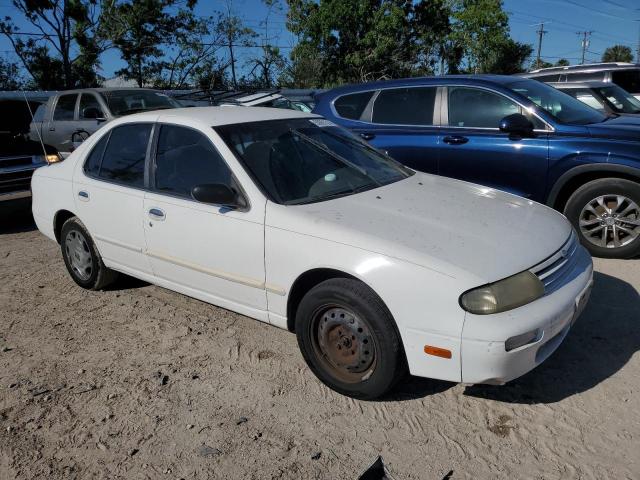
284,217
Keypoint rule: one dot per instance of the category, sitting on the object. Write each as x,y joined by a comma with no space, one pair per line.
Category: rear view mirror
217,194
516,124
93,112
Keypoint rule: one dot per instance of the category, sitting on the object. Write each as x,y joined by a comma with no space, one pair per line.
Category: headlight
507,294
52,158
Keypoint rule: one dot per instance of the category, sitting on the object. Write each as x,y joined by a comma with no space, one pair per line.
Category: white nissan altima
284,217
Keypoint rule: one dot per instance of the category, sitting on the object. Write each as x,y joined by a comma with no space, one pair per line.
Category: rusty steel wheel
344,343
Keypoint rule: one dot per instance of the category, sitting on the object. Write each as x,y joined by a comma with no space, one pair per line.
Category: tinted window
352,106
472,107
123,160
89,101
308,160
186,158
405,106
92,164
627,79
583,77
124,102
547,78
65,107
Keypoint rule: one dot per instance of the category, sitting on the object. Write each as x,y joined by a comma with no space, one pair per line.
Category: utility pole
585,43
638,49
540,33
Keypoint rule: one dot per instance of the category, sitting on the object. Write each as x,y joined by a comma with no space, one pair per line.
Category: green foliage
64,52
618,53
10,78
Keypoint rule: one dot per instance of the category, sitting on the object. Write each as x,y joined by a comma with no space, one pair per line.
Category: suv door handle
156,214
368,136
84,196
455,139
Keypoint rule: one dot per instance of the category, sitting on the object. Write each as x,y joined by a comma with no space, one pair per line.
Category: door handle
455,139
156,214
84,196
368,136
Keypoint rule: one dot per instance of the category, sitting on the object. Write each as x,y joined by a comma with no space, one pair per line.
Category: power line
585,42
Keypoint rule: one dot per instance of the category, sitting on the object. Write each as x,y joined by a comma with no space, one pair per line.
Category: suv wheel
82,258
348,338
606,213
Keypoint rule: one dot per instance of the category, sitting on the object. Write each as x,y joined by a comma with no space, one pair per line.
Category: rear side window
627,79
124,157
92,164
405,106
65,107
584,76
89,101
586,96
186,158
476,108
547,78
351,106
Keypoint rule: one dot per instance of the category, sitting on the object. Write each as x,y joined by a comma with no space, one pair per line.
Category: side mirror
93,112
516,124
217,194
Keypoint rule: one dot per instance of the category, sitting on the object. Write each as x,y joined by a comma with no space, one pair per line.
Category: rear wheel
82,258
349,340
606,213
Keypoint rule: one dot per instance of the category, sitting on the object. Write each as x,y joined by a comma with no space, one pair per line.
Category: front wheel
348,339
606,213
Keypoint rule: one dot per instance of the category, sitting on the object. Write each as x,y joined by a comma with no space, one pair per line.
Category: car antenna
33,122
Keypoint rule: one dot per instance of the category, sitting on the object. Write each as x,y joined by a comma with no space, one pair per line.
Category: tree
10,78
270,63
233,33
509,57
431,27
69,29
617,53
139,28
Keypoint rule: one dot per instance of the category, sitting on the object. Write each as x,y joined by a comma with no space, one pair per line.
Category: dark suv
511,134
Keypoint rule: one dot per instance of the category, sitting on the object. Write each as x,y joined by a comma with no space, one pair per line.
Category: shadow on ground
600,343
15,216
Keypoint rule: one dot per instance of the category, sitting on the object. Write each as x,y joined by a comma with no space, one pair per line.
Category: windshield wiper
340,193
328,151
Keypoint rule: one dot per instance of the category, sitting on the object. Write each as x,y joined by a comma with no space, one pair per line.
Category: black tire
368,323
96,275
610,189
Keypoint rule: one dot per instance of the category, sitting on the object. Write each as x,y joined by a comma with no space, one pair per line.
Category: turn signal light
437,351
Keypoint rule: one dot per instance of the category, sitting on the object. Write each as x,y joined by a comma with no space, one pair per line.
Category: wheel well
61,217
303,284
576,182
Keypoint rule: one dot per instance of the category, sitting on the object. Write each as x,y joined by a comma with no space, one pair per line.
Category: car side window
586,96
477,108
405,106
87,100
352,105
92,164
124,158
65,108
186,158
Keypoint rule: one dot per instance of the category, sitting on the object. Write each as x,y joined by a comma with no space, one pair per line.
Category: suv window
123,160
65,108
186,158
586,96
584,77
87,100
476,108
92,164
628,80
547,78
405,106
351,106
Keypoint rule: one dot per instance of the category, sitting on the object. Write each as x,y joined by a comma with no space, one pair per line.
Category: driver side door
205,251
472,147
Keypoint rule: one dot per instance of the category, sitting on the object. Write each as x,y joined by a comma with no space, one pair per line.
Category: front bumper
484,357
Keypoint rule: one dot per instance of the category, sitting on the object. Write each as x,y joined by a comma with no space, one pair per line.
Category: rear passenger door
62,124
473,148
404,123
109,196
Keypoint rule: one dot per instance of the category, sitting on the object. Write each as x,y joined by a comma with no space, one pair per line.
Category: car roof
585,84
481,79
588,67
215,116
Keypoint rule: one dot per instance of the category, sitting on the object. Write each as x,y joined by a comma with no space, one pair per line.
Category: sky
609,21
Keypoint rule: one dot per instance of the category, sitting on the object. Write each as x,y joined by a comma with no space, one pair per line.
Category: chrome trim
555,268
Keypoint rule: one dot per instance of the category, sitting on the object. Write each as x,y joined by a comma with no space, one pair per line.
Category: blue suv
513,134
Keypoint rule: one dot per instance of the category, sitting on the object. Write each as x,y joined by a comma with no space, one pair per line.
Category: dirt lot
140,382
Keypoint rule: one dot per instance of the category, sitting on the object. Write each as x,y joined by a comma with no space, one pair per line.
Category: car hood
624,127
457,228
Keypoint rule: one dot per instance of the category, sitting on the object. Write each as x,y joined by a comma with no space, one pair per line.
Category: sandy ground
139,382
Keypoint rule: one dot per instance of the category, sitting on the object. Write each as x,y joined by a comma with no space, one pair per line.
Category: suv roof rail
585,66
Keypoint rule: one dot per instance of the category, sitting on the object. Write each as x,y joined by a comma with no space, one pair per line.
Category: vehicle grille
15,181
558,266
21,161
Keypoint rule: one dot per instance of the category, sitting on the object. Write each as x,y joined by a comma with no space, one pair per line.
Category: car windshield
619,99
309,160
564,108
124,102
